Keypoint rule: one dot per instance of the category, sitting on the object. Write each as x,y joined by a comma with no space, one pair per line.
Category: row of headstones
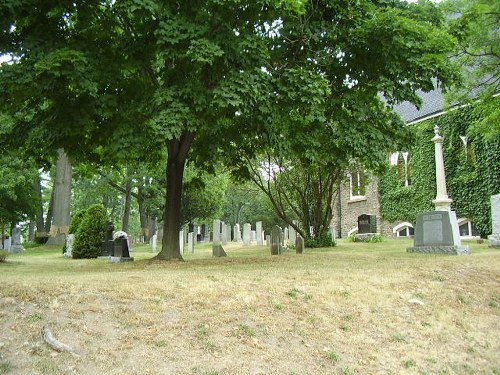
13,244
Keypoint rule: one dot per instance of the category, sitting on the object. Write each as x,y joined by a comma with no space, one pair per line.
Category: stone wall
347,210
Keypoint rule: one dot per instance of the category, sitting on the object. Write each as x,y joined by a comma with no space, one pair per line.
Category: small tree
90,233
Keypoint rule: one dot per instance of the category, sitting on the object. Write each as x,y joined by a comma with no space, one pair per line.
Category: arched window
403,230
357,181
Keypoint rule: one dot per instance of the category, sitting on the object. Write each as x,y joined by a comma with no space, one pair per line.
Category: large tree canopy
215,79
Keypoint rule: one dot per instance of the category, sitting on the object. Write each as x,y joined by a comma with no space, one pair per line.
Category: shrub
3,255
323,240
76,220
90,233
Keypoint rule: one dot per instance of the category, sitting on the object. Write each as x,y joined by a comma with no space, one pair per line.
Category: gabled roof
432,104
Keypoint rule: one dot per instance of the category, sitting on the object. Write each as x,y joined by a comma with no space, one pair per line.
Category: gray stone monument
292,233
153,243
70,239
223,233
16,246
181,242
437,231
6,244
247,229
121,250
494,238
191,242
299,244
258,233
276,240
217,249
367,226
237,233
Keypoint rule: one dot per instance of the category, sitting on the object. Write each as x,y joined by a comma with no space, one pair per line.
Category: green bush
371,239
3,255
76,220
90,233
323,240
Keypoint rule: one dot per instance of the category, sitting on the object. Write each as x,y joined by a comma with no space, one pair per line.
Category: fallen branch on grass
53,343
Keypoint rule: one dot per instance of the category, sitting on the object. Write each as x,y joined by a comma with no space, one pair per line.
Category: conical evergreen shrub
90,233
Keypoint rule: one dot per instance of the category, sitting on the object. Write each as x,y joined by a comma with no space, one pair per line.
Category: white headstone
494,238
292,234
152,242
181,242
191,242
223,233
247,229
237,233
70,239
258,233
16,247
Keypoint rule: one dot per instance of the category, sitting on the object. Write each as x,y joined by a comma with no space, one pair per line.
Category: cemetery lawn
353,309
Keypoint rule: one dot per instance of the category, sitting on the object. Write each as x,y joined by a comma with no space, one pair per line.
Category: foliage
76,220
474,23
216,79
90,233
472,172
324,239
3,255
373,238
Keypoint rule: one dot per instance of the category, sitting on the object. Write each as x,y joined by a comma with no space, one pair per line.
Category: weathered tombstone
7,243
121,248
217,249
286,234
437,231
153,243
223,233
107,246
181,242
268,240
191,242
494,238
247,229
276,240
258,233
16,246
237,233
70,239
292,233
299,244
228,233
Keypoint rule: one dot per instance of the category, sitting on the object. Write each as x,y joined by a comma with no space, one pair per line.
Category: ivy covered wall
472,172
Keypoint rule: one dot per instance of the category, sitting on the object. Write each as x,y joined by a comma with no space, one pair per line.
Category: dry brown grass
332,311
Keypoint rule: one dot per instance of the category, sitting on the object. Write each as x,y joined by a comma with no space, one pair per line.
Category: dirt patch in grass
344,310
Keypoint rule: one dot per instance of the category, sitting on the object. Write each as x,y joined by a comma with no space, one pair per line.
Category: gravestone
299,244
16,246
437,232
276,240
494,238
247,229
286,235
107,246
121,250
153,243
223,233
367,224
237,233
70,239
268,240
217,249
191,242
6,243
258,233
181,242
292,233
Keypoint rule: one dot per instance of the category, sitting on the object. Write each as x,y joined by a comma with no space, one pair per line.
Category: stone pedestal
437,232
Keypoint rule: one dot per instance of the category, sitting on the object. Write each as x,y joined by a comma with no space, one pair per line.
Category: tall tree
215,78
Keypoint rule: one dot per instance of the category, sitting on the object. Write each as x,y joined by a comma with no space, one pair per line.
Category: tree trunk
50,210
39,225
62,196
176,160
128,202
146,220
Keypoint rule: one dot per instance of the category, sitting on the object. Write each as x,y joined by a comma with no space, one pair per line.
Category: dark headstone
367,224
107,247
299,244
121,251
276,240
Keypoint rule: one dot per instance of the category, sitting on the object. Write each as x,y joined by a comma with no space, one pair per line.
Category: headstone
121,248
228,233
191,242
153,243
7,243
276,240
223,233
258,233
367,224
292,233
286,234
107,246
237,233
16,246
217,249
70,239
247,229
181,242
299,244
437,231
494,238
268,240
